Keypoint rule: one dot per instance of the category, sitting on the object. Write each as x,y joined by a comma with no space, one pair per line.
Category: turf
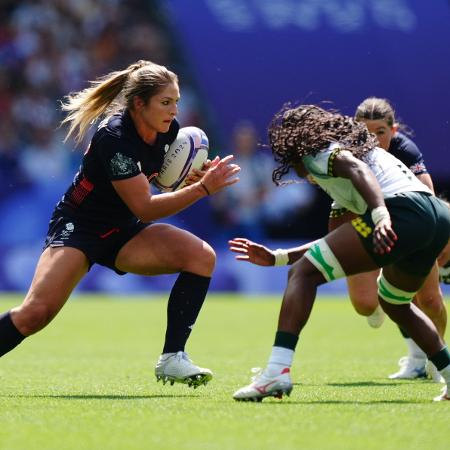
86,382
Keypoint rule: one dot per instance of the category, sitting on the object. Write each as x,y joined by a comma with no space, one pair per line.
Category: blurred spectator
240,210
287,211
11,174
42,160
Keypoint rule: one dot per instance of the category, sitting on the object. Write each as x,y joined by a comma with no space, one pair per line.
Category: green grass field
86,382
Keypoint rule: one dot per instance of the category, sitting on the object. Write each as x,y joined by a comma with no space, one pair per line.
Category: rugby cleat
444,395
410,368
264,385
376,319
178,368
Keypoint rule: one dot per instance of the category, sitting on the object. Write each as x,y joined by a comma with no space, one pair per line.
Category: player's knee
303,273
364,298
204,261
431,301
209,256
364,305
29,319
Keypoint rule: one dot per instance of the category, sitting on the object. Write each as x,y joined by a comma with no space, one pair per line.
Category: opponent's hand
384,237
220,174
251,252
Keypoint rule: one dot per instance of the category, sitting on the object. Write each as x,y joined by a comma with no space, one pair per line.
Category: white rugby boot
410,368
443,396
265,385
433,373
376,319
178,368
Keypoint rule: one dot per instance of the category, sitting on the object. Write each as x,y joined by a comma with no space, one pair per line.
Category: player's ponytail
111,92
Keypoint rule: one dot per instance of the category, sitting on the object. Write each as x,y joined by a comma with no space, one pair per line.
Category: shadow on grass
99,396
362,383
345,402
367,383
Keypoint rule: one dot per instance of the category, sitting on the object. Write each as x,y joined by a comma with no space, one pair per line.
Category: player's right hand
220,174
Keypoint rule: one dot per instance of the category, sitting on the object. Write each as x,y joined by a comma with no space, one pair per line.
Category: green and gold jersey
392,175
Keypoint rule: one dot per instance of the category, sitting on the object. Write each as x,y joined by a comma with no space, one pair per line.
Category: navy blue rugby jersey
116,152
408,153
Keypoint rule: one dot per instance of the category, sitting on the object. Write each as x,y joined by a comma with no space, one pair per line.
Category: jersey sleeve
118,157
408,152
321,164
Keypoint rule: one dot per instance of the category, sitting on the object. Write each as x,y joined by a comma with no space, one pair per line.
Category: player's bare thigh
57,272
430,293
362,287
363,291
163,248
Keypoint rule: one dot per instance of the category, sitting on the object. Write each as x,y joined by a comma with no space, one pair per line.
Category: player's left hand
384,237
196,174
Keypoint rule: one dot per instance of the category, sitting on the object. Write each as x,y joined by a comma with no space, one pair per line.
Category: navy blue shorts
100,246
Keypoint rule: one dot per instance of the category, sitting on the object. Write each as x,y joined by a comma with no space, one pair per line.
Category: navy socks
185,301
441,359
286,340
10,336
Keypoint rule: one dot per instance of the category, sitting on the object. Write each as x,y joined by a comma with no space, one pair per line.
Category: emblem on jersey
418,168
166,147
361,227
65,234
122,165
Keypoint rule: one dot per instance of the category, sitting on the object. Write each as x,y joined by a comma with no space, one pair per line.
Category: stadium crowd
51,47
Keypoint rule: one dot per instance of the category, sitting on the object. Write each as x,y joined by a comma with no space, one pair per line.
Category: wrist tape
379,214
281,257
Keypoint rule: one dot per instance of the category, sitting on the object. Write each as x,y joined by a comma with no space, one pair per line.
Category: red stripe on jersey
81,191
108,233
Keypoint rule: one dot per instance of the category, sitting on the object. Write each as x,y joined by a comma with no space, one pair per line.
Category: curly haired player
379,117
393,209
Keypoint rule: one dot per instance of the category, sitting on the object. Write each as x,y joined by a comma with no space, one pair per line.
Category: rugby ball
188,151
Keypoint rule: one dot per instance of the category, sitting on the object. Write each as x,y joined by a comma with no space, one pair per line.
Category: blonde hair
112,92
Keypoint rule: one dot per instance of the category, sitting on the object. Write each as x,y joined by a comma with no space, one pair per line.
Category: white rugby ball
188,151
